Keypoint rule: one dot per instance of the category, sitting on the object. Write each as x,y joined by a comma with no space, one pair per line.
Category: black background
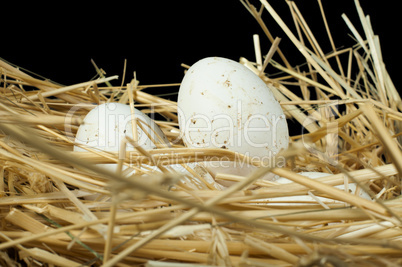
59,40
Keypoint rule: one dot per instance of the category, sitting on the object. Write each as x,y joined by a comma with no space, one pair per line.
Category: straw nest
49,218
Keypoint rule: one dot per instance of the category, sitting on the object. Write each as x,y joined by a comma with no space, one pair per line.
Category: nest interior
59,207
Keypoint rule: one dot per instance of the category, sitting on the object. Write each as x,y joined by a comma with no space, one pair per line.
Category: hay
59,208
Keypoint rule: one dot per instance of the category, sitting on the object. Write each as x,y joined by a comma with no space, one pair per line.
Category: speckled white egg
223,104
105,127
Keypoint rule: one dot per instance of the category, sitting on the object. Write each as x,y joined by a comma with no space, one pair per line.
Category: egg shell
223,104
105,127
314,175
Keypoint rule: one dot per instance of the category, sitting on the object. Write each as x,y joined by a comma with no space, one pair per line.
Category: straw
63,207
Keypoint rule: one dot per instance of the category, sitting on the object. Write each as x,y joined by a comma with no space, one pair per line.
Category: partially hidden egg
223,104
105,127
353,188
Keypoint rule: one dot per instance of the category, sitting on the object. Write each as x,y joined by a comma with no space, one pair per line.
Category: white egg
222,104
105,127
314,175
